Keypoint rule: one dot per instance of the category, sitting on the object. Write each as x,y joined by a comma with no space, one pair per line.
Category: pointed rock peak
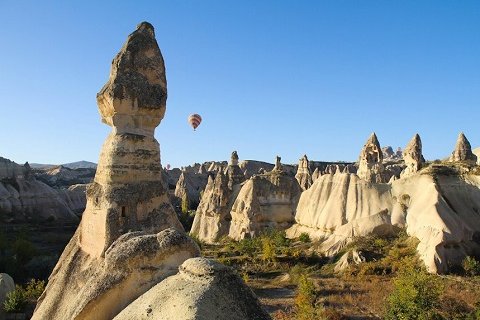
373,139
415,143
463,141
234,159
463,150
371,152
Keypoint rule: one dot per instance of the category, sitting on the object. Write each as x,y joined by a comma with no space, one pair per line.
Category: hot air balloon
168,166
194,120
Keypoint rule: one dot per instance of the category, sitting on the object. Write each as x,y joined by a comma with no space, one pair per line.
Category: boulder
203,289
6,286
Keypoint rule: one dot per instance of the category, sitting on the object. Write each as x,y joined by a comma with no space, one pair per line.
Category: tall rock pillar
127,193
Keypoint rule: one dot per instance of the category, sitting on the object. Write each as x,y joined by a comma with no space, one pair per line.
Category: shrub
16,301
268,249
248,246
305,301
415,295
471,266
304,237
34,289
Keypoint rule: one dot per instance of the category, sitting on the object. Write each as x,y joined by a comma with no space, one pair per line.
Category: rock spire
370,167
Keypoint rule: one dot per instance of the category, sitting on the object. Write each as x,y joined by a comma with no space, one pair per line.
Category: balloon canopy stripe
194,120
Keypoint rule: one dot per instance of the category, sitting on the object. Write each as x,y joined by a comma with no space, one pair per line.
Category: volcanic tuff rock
264,201
190,185
437,205
413,157
122,247
340,206
203,289
22,197
463,151
303,175
6,286
390,155
63,177
370,167
212,219
234,173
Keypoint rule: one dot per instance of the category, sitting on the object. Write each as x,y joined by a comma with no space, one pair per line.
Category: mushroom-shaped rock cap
234,158
134,98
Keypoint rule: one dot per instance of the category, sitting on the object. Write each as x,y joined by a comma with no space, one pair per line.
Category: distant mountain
42,166
72,165
80,165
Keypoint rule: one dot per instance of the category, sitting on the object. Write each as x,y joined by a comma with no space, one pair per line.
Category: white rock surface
202,290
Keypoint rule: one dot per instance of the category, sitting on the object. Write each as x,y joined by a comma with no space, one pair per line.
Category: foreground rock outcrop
203,289
129,238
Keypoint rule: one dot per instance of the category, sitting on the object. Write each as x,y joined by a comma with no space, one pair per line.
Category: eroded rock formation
303,175
212,219
370,167
129,237
264,201
189,186
438,205
412,155
203,289
24,198
463,151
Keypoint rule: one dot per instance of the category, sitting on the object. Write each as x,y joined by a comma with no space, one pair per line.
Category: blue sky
268,77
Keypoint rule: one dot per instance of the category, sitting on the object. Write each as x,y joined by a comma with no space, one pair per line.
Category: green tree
415,295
